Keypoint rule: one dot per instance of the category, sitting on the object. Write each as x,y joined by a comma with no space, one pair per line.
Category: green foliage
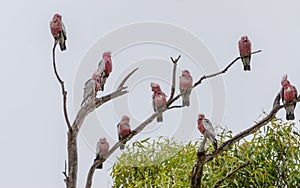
273,151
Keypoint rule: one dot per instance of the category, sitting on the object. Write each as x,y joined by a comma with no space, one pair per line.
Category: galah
185,86
58,31
205,127
91,87
288,93
101,150
123,128
245,52
105,68
158,100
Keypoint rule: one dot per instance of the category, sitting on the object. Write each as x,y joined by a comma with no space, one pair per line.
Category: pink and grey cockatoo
158,100
123,128
287,94
185,86
91,87
245,52
105,68
101,150
205,127
58,31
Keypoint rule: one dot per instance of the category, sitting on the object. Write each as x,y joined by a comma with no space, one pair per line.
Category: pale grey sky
33,140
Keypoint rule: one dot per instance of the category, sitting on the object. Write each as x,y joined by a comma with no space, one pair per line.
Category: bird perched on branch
185,86
123,129
58,31
287,94
245,52
101,150
105,68
158,100
91,87
205,127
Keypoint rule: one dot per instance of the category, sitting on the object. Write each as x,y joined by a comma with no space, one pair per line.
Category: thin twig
126,78
209,76
231,173
221,72
174,76
175,106
93,104
62,85
65,174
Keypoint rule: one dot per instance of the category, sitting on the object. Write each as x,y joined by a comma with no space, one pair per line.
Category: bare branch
175,106
65,174
72,135
231,173
126,78
174,76
197,170
149,120
62,85
209,76
117,145
221,72
93,104
201,160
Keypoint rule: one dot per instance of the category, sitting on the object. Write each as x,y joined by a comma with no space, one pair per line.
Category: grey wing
296,91
118,128
64,31
101,65
153,104
180,77
98,149
89,88
209,127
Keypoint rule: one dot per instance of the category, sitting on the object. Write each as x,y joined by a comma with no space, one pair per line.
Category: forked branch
62,85
203,158
151,118
171,100
174,76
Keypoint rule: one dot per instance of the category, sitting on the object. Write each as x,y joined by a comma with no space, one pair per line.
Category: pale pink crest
125,118
106,54
201,116
58,16
285,82
155,86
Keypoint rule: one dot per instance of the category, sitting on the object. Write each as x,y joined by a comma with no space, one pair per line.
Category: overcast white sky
33,137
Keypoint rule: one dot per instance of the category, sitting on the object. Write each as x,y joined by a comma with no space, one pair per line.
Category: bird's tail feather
101,165
290,112
62,45
215,143
247,67
159,118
